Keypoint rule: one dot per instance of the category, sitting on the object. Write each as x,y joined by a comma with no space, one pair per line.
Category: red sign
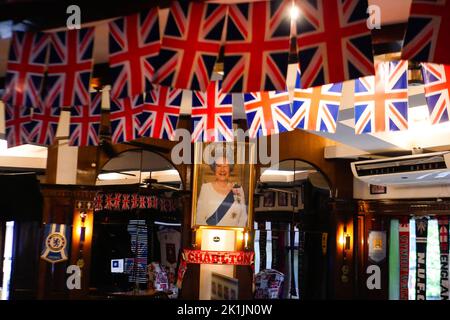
213,257
218,257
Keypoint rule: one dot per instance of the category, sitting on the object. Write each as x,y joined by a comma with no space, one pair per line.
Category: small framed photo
376,189
282,199
269,199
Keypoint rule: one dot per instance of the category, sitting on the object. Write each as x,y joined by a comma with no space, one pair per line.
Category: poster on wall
223,178
377,246
223,287
55,246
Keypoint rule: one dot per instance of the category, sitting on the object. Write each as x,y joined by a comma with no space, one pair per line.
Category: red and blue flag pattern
160,114
69,68
85,122
381,101
256,51
316,108
133,40
437,91
17,125
124,116
333,41
212,114
25,69
44,123
268,112
190,45
426,37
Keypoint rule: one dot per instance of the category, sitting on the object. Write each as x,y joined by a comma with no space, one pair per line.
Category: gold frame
250,149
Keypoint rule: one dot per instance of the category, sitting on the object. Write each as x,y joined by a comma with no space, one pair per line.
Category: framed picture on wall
376,189
269,199
282,199
223,185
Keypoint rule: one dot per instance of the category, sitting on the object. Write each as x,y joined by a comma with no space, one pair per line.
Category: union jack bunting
159,117
134,201
44,123
268,112
333,40
212,114
316,108
124,116
190,45
426,37
125,201
17,125
85,122
381,101
256,52
25,69
133,40
69,68
437,91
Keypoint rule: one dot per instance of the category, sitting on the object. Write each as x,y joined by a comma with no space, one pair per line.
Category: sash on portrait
220,212
421,252
443,245
403,232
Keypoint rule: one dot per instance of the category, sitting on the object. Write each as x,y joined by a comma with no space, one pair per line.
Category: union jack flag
316,108
85,122
69,68
124,116
109,202
381,101
17,125
116,201
98,201
334,42
268,112
212,114
133,40
159,117
190,45
134,201
256,52
25,69
437,91
125,201
426,37
44,123
142,202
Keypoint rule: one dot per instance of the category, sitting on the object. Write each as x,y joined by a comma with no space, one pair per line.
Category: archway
292,224
139,224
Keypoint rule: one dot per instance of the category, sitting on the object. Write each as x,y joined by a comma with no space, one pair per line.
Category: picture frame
282,199
376,189
223,185
269,199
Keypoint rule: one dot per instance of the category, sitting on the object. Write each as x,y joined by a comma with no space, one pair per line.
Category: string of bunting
47,71
117,201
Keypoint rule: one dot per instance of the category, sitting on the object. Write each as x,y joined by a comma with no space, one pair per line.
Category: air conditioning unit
429,168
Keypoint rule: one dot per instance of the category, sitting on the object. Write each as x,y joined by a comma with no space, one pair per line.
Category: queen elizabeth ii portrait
222,201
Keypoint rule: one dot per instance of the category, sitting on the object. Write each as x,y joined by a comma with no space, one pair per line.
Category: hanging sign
421,252
377,246
443,244
403,235
213,257
55,243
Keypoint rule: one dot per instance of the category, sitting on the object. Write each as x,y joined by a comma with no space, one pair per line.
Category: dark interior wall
24,274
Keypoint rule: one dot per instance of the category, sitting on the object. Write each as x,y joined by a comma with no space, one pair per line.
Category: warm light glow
294,12
240,236
246,239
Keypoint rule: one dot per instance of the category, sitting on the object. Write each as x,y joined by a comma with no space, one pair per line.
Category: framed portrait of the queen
223,185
